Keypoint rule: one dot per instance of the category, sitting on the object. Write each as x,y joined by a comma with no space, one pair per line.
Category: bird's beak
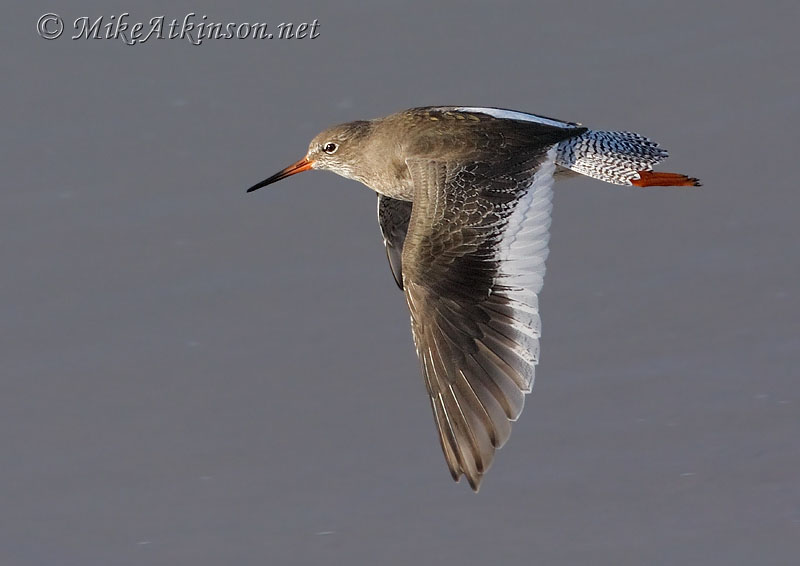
298,167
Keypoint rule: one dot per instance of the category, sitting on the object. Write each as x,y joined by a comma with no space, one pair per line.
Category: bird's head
336,149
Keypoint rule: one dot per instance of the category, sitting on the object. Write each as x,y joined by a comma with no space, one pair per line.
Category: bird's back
454,134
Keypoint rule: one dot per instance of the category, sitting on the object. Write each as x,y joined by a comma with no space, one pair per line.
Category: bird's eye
330,147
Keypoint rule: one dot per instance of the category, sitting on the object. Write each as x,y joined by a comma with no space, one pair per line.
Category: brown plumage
464,209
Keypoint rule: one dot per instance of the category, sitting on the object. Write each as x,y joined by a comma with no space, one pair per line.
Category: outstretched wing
393,217
473,263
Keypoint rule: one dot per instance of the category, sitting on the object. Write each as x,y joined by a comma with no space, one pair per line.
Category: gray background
192,375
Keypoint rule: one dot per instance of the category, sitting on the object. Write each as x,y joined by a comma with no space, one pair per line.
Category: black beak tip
263,183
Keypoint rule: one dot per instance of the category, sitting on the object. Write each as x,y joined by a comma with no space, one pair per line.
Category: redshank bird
464,201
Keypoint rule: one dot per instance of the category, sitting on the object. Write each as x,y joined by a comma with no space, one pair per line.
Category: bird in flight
464,202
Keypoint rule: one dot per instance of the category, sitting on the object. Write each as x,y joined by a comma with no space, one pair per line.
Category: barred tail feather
621,158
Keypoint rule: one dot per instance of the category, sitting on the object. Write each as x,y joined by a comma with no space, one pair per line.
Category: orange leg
659,179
